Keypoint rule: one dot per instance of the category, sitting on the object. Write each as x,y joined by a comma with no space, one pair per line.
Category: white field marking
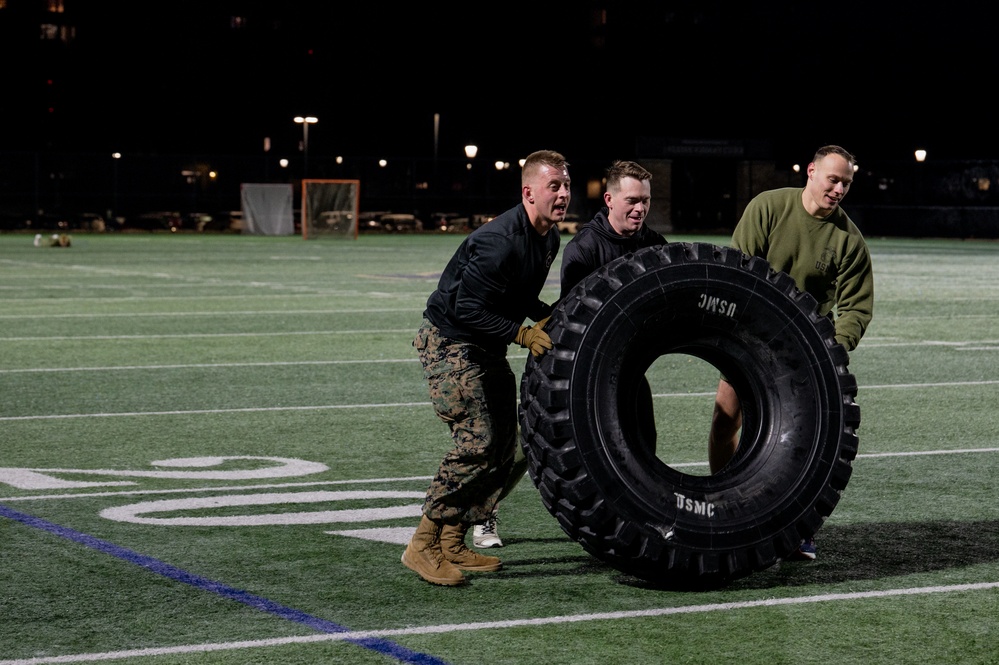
965,345
931,452
207,365
193,281
883,386
136,513
421,296
264,312
279,467
928,317
324,407
278,257
352,310
111,368
959,346
181,277
296,292
228,488
392,535
938,384
65,338
214,411
506,624
977,345
401,479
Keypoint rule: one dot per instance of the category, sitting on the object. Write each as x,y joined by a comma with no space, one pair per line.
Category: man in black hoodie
616,230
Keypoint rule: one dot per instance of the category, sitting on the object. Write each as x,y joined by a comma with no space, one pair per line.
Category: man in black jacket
489,287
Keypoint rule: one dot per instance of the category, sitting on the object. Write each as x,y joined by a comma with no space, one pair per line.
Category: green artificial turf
149,359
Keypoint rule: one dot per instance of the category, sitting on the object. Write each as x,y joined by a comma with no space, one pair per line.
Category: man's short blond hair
540,158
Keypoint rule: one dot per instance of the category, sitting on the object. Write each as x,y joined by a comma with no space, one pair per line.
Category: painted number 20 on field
248,468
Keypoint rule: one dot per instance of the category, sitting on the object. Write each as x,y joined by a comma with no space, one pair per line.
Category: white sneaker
485,535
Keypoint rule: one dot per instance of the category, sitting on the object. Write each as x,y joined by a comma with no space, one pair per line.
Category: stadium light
114,183
305,121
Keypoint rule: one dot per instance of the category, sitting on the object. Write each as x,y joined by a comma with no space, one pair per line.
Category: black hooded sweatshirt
596,244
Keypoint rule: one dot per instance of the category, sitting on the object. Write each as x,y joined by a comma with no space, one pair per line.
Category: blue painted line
257,602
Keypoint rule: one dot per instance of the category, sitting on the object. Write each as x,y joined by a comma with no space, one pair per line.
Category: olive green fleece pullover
828,258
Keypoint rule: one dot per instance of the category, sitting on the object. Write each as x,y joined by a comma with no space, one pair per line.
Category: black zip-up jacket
596,244
492,283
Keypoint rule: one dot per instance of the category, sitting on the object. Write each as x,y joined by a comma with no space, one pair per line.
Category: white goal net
330,208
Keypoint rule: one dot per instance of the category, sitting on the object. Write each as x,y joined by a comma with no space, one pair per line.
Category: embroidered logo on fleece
827,259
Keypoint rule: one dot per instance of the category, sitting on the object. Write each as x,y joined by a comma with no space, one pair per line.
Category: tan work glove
534,338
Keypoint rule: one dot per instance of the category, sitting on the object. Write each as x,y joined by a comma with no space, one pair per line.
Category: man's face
550,193
628,204
829,180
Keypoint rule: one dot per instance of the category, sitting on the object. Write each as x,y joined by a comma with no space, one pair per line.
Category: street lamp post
305,121
471,150
115,156
920,155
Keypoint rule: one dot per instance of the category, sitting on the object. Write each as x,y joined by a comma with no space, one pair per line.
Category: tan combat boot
424,556
455,551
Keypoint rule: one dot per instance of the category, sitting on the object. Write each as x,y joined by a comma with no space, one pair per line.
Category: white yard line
438,629
326,407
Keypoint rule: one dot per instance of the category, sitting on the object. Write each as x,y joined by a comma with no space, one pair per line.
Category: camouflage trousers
475,394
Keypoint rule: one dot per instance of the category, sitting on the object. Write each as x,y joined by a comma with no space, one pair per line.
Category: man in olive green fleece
803,231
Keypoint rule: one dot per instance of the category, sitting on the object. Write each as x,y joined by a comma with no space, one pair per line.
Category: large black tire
587,448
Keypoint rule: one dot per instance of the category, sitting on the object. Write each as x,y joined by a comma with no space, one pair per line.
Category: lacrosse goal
330,208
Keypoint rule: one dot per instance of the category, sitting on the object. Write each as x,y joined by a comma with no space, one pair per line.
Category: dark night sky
518,77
